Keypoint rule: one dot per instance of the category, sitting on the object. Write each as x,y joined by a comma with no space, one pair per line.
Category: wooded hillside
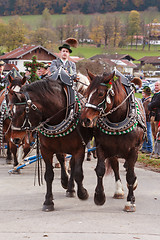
27,7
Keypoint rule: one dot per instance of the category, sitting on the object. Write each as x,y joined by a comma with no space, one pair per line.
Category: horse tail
108,166
137,81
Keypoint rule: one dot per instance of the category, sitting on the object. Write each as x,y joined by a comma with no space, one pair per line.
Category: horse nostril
87,122
16,140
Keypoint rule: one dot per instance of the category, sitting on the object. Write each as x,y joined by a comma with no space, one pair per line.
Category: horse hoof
118,195
83,195
70,194
48,208
99,199
130,207
64,184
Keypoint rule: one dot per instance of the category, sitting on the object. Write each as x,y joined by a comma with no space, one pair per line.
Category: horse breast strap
132,119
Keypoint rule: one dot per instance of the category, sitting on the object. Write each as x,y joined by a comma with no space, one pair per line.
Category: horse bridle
102,106
27,125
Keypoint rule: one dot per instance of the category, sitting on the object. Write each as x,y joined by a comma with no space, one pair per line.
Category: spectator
154,107
43,71
2,83
147,145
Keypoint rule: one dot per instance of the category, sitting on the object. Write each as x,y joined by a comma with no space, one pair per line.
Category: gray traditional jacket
69,66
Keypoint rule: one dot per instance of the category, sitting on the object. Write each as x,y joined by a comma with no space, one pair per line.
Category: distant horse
14,85
44,106
118,120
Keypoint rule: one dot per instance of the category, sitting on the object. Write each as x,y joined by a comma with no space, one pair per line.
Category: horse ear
10,78
10,91
109,77
91,75
23,80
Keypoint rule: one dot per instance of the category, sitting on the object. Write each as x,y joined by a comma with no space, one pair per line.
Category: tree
134,25
3,31
96,33
42,36
46,21
107,30
15,34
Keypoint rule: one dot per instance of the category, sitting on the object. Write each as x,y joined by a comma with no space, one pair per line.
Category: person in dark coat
147,145
154,108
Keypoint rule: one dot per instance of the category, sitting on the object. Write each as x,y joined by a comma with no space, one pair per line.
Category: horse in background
118,119
24,142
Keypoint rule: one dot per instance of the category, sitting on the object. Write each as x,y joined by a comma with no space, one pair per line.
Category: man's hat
2,63
147,90
67,46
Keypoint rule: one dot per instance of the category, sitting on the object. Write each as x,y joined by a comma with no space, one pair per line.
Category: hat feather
72,42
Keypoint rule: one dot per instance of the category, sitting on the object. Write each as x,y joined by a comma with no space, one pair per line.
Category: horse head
102,94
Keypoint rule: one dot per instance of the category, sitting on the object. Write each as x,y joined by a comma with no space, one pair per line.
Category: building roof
21,51
114,62
150,59
113,56
9,66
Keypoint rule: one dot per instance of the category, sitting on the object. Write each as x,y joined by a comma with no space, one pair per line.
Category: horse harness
132,119
72,112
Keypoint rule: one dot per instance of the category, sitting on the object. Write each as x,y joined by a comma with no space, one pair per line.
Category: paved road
21,202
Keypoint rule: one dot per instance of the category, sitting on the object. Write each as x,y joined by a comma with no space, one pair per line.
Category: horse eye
101,94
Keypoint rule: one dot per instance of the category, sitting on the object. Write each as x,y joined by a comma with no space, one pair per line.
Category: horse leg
64,174
48,204
70,189
99,196
13,148
9,155
119,193
78,176
131,181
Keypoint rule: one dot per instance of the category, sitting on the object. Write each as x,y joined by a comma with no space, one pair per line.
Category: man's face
157,86
64,54
1,68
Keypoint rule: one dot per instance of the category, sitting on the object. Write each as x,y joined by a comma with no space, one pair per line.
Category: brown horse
43,106
118,120
14,85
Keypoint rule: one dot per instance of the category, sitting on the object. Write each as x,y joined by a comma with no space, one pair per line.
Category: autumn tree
46,21
3,31
96,33
133,25
42,36
116,32
15,33
107,30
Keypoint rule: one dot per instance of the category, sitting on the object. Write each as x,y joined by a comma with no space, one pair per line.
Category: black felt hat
67,46
147,90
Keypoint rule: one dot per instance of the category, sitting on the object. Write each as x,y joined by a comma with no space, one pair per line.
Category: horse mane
100,79
42,87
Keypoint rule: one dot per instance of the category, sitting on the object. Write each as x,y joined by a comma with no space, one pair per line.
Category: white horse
82,83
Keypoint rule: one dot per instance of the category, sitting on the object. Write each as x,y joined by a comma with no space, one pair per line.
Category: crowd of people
151,146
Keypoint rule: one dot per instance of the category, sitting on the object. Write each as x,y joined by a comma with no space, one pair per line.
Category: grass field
88,51
33,20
